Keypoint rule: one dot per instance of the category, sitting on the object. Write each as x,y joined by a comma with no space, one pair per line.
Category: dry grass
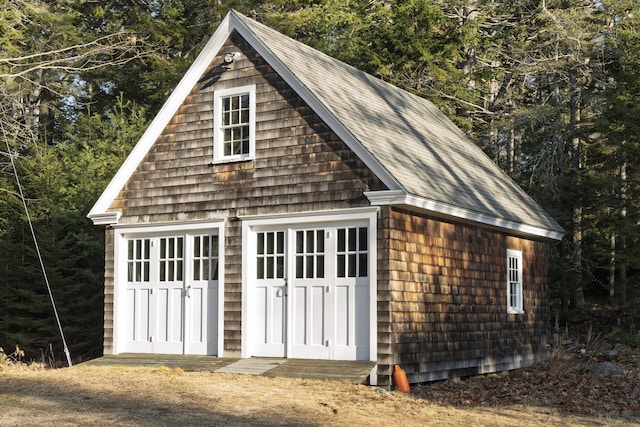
85,395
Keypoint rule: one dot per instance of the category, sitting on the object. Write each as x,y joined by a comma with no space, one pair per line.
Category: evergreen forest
550,90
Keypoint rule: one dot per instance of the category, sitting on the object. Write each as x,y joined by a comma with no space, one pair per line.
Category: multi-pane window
234,123
310,254
352,257
138,260
171,258
514,281
205,257
270,255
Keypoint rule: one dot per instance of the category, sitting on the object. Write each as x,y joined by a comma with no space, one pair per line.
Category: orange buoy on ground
400,378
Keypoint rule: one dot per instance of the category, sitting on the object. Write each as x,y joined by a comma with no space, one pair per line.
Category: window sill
226,160
515,312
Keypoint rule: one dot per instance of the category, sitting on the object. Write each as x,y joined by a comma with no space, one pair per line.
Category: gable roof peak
407,142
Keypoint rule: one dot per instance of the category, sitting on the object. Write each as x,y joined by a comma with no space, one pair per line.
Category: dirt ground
552,394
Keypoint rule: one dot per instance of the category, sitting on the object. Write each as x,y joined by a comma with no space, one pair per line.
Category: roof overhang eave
105,218
444,210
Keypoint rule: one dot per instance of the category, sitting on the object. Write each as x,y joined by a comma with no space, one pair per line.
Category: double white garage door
309,294
305,291
170,297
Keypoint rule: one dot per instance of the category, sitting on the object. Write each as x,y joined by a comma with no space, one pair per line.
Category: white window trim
518,308
218,136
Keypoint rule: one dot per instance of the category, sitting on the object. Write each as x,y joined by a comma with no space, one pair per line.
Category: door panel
137,304
201,296
196,307
343,311
269,292
169,294
308,323
140,312
269,338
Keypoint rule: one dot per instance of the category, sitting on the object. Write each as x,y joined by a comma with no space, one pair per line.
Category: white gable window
514,282
235,124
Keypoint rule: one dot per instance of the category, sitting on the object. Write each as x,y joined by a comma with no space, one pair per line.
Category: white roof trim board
439,209
422,158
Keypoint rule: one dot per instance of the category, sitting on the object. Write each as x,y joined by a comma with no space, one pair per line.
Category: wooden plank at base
356,372
185,362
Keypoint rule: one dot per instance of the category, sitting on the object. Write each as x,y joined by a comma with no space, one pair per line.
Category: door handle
187,291
285,288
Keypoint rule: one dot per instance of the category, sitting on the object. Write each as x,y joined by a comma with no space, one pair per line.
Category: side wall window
514,282
234,124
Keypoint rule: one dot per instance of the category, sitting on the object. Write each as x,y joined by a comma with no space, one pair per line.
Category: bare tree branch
110,50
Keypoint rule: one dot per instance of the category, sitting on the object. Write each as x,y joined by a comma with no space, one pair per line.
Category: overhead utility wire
35,241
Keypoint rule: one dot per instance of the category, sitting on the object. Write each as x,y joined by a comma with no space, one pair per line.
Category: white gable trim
161,120
400,198
231,22
107,218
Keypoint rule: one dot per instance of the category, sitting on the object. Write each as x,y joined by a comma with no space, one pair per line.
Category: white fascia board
168,227
296,218
161,120
400,198
316,105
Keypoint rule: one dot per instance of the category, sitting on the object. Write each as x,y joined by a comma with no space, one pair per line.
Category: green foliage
175,31
95,147
65,155
61,183
73,254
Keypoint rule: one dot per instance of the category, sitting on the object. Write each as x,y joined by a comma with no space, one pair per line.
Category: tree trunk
577,164
622,239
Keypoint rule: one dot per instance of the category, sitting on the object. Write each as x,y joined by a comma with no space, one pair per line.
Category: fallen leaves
562,381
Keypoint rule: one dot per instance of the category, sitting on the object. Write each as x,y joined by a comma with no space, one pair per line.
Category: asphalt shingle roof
422,150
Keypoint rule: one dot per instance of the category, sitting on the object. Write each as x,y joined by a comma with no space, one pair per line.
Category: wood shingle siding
300,165
295,154
446,292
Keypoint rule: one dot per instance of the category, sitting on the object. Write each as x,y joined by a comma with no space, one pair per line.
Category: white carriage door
201,296
310,297
137,297
168,295
269,292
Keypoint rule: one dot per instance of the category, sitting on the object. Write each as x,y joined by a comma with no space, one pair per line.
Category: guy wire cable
35,240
